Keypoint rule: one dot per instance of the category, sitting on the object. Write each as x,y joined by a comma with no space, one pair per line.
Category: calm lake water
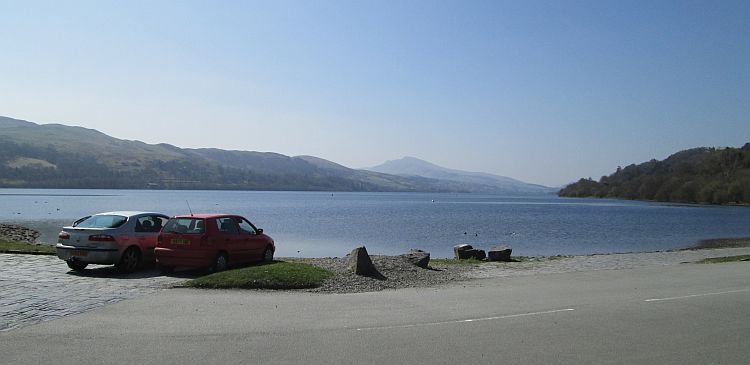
312,224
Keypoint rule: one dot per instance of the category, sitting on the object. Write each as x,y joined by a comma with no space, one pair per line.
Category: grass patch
26,248
273,275
719,260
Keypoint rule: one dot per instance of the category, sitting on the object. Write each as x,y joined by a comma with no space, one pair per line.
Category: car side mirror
260,230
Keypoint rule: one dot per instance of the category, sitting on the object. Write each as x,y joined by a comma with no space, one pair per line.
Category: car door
254,243
147,229
229,237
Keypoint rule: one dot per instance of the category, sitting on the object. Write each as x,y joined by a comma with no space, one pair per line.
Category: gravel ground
395,272
398,273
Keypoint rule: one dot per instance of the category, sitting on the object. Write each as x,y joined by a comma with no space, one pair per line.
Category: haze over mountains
479,181
60,156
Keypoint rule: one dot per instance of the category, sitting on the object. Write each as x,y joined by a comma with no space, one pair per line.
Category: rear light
63,235
101,238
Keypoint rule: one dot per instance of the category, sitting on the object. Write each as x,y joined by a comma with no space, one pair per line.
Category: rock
465,252
477,254
360,262
16,233
417,257
460,251
499,253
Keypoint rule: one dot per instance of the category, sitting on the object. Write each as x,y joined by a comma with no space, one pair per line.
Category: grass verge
26,248
273,275
719,260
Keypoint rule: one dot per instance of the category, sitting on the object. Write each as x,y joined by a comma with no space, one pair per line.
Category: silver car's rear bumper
105,256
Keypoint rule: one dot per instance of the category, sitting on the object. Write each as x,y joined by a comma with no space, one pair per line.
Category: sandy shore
617,261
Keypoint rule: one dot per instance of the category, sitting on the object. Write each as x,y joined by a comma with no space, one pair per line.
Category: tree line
699,175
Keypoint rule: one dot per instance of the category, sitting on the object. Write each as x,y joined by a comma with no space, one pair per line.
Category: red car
213,241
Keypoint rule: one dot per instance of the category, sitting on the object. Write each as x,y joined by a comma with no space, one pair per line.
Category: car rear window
185,225
101,221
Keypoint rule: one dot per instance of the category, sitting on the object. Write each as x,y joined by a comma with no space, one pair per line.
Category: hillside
698,175
59,156
473,181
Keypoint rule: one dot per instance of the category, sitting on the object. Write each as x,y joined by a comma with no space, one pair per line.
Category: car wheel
268,255
221,262
130,260
166,269
76,265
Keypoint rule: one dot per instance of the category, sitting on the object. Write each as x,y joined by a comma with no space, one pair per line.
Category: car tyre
221,262
130,260
268,254
76,265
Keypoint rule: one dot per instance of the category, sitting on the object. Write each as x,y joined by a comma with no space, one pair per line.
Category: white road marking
466,320
696,295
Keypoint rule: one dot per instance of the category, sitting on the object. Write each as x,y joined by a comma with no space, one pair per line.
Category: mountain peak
407,164
474,181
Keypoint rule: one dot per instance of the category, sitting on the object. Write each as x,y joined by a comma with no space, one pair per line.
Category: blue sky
542,91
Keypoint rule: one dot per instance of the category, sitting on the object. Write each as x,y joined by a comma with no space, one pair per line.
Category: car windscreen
102,221
184,225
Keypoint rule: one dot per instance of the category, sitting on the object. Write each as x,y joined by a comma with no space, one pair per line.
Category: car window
245,226
159,222
76,223
185,225
149,224
102,221
227,225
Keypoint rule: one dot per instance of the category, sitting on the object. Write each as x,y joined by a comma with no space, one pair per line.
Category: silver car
125,239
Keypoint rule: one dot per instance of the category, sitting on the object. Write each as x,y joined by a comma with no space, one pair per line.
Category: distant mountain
698,175
471,181
59,156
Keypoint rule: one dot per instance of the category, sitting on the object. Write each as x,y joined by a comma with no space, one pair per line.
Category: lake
315,224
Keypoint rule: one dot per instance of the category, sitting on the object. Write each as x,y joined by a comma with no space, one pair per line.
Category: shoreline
397,273
44,231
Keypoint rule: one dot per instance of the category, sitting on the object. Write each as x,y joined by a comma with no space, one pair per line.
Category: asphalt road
682,314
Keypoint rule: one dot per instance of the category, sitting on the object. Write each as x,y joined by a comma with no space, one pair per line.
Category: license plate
79,253
177,241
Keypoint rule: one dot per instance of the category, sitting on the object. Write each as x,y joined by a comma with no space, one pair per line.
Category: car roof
129,213
205,215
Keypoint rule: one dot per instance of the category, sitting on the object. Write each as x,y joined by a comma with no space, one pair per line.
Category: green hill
698,175
59,156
